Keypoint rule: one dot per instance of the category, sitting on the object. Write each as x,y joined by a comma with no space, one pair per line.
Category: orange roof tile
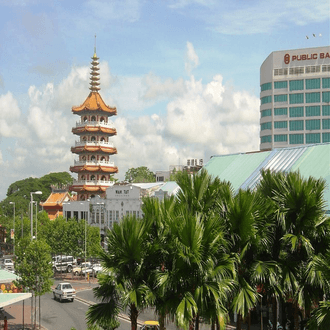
95,102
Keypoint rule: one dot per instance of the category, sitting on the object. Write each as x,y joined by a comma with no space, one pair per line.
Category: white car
96,269
8,263
84,267
64,291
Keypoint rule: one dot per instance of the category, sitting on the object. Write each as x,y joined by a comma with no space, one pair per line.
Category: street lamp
31,218
13,203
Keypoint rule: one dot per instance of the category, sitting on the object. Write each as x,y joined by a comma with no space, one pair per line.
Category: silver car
64,291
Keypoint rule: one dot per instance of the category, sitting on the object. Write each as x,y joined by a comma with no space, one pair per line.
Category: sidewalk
14,313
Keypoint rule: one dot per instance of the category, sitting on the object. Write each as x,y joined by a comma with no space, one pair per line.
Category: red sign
305,57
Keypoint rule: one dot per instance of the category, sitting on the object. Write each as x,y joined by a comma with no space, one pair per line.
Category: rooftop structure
243,170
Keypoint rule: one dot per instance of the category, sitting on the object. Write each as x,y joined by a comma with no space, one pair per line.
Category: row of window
308,111
297,138
298,125
296,85
298,98
301,70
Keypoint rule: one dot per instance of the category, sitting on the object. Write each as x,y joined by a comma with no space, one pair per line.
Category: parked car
62,263
84,267
8,263
64,291
96,269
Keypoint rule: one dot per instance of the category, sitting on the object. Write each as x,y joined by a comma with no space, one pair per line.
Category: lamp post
31,218
36,219
13,203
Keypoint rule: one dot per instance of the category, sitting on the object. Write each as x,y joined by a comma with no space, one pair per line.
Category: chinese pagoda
93,147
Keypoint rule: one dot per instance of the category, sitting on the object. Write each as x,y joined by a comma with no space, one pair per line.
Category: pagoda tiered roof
94,102
94,148
94,168
89,128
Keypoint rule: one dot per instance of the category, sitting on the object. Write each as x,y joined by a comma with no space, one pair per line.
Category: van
63,263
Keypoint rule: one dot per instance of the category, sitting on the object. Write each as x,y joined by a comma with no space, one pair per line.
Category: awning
11,298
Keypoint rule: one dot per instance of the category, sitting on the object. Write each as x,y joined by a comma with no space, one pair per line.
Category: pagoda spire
94,78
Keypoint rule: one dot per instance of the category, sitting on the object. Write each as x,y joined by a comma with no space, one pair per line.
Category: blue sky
183,74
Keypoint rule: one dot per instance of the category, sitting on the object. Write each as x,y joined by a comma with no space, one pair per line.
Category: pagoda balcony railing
94,123
92,183
93,163
93,143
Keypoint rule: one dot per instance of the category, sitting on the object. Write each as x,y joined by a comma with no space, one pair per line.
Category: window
313,111
110,216
281,72
280,124
297,70
281,111
280,138
296,125
265,87
326,123
313,83
266,139
117,215
280,84
297,112
325,110
325,137
325,96
313,138
296,138
93,118
325,68
296,85
266,113
281,98
313,97
313,124
296,98
325,82
266,99
312,68
266,126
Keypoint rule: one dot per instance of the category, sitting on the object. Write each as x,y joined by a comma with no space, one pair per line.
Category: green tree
33,267
140,174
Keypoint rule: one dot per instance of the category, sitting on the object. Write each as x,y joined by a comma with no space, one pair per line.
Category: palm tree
126,262
200,273
298,232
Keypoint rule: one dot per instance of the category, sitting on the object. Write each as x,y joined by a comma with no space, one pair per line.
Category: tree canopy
139,174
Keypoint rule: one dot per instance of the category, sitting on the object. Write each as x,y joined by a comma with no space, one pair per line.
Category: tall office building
295,98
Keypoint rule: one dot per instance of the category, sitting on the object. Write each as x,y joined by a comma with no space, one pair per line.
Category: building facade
121,200
94,148
295,98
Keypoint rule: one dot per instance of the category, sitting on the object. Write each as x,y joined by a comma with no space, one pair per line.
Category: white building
120,200
295,98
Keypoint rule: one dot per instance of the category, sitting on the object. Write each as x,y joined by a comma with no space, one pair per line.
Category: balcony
92,183
93,143
93,163
94,123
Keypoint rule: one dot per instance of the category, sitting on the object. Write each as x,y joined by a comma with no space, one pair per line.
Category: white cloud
189,119
10,116
254,17
192,60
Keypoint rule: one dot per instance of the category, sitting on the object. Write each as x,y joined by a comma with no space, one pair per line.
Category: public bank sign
304,57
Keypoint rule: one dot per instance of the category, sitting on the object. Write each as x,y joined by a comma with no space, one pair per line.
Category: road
67,315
